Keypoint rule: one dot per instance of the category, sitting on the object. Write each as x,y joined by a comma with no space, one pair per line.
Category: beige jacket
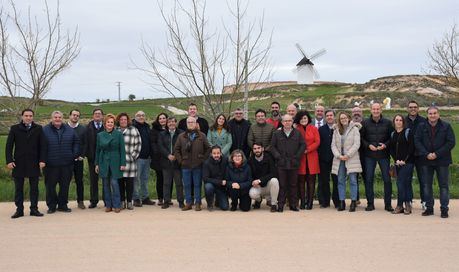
351,148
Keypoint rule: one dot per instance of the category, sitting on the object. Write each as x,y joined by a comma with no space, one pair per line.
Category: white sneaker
423,205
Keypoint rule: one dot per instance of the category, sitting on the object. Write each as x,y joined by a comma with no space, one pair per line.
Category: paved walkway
151,239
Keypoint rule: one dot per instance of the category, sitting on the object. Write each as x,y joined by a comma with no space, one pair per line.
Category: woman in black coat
158,126
239,181
29,145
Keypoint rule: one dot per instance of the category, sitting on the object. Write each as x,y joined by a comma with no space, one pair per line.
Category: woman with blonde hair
346,162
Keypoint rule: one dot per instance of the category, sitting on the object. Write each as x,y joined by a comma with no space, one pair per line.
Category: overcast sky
364,39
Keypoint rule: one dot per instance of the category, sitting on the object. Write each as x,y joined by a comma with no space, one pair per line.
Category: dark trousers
171,176
219,192
78,176
93,184
288,181
306,187
241,196
324,184
160,184
19,193
126,188
443,180
370,166
57,175
420,177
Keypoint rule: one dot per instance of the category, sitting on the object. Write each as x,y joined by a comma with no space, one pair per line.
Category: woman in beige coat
346,162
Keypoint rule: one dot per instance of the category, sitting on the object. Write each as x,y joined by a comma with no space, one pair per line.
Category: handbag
393,171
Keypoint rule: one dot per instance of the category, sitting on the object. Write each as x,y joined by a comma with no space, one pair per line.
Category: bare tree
202,63
444,56
34,57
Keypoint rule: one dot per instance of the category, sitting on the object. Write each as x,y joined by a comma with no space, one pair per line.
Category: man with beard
265,183
275,118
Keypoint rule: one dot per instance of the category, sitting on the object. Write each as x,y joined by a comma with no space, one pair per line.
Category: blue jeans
342,176
111,193
421,183
384,166
141,180
192,178
219,192
404,188
443,180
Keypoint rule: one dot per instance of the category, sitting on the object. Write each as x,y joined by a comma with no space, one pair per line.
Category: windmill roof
305,61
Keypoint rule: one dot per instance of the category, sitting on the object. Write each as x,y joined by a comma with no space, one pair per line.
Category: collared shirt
259,159
287,133
318,123
73,126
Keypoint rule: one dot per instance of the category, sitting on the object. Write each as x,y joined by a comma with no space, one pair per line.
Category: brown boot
187,207
108,209
117,210
407,208
197,207
398,210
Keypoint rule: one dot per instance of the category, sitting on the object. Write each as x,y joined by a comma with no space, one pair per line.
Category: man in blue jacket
63,147
434,141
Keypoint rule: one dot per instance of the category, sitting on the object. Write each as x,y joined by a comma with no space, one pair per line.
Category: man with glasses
92,129
413,120
239,128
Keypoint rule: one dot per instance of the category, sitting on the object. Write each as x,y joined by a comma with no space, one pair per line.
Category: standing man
80,131
239,128
140,194
29,145
202,123
412,121
434,141
287,146
168,162
326,162
375,134
275,118
292,110
63,148
319,116
261,132
94,127
265,183
190,151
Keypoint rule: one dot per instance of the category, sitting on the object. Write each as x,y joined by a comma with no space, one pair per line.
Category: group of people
277,159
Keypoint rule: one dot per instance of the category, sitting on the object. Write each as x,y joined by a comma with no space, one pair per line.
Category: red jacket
312,138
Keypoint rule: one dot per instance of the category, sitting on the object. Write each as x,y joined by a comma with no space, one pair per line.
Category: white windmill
305,70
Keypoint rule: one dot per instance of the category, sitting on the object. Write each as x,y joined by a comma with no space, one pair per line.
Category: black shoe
233,208
148,201
160,202
35,212
444,213
92,206
64,209
293,208
280,209
273,208
210,208
428,212
342,205
370,207
17,214
165,206
137,203
353,206
302,205
389,208
309,205
51,210
324,206
181,204
257,205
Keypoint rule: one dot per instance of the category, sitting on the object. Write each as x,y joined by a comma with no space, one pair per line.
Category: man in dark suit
80,131
94,127
29,145
203,125
326,161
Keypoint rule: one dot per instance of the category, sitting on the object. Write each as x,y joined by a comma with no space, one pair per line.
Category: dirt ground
151,239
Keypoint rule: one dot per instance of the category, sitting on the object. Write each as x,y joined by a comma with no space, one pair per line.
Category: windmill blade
301,50
318,53
316,73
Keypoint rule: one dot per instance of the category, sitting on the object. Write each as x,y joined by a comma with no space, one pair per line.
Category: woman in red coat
309,166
